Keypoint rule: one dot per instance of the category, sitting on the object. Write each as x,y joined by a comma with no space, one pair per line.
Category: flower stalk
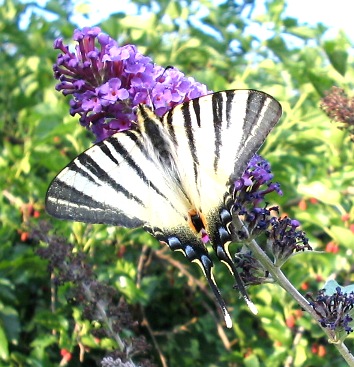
279,278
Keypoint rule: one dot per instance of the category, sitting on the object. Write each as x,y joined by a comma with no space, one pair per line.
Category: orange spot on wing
197,221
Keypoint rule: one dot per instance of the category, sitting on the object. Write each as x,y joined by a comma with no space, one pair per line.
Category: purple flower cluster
285,239
250,187
334,310
250,191
283,236
108,81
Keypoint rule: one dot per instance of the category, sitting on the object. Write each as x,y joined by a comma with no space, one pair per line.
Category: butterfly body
171,175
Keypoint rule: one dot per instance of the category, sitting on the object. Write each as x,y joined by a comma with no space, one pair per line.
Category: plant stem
283,281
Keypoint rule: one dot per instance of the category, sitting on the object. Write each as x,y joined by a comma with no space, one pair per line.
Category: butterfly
173,175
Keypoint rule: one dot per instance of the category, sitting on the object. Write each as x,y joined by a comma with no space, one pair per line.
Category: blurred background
294,50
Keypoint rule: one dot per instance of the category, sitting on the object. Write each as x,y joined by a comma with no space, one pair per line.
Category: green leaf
43,342
320,191
321,81
4,345
10,320
337,55
343,236
305,33
278,46
251,361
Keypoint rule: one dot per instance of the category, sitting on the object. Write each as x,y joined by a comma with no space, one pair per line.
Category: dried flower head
340,108
100,303
251,270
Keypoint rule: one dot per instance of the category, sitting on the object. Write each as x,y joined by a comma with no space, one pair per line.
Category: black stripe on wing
189,130
169,126
190,138
217,103
103,177
127,159
262,114
155,134
65,202
196,108
255,104
229,98
71,198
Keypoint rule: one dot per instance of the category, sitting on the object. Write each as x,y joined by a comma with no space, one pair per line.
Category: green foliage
313,161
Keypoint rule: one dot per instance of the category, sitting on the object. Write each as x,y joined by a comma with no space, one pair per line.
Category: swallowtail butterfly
172,175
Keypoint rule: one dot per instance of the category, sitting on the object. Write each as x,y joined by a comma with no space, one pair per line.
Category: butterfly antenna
206,265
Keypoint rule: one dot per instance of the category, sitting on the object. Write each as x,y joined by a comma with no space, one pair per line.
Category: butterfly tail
206,264
221,241
200,255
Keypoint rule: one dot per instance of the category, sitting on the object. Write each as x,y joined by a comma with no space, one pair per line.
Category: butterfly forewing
116,182
215,137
